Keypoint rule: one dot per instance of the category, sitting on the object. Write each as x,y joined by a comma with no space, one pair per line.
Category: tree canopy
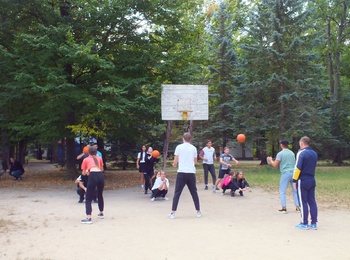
275,69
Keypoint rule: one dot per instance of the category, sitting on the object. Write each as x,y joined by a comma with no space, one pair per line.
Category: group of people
300,174
16,169
232,180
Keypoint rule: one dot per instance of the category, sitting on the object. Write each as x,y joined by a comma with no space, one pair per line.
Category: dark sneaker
86,221
232,194
206,188
100,215
241,193
284,211
81,201
302,226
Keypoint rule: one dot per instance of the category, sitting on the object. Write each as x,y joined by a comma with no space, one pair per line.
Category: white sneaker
153,199
165,198
171,215
199,214
142,186
223,193
214,190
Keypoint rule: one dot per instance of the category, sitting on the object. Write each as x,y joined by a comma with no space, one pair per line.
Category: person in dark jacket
16,169
304,181
239,183
149,169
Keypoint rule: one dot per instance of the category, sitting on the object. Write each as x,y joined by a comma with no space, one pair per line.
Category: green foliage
282,95
224,67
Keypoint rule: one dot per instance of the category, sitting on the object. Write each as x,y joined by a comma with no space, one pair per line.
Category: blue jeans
287,178
17,174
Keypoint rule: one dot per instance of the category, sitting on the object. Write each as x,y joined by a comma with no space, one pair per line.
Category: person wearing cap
285,160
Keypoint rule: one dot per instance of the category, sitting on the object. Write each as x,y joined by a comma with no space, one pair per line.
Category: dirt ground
44,223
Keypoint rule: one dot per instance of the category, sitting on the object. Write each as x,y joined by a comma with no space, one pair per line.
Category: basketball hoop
185,114
185,102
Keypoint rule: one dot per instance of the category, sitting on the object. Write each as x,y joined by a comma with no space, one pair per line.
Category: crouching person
81,182
240,184
160,187
227,183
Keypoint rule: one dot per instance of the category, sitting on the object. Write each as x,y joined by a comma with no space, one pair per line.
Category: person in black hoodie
149,167
16,170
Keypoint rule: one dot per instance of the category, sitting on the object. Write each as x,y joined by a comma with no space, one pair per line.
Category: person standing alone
304,181
285,160
186,157
208,156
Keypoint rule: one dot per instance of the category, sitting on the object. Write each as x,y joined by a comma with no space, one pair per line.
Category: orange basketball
241,138
86,149
155,154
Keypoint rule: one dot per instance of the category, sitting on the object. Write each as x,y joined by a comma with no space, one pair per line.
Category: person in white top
208,156
160,187
186,157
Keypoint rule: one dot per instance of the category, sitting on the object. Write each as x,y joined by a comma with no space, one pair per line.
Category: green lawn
333,183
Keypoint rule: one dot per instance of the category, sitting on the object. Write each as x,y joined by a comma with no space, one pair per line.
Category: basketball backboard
184,102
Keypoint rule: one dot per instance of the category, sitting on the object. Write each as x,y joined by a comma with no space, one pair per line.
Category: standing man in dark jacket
16,169
305,183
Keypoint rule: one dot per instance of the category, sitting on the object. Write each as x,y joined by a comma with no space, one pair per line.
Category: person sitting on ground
227,183
153,180
16,169
82,182
160,187
240,184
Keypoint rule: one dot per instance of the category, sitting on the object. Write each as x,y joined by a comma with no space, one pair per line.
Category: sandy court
45,224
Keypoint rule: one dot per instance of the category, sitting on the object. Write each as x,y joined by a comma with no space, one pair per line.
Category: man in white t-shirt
208,156
186,157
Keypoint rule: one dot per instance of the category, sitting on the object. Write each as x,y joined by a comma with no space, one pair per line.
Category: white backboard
189,99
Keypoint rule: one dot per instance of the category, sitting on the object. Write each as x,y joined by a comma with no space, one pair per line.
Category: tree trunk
71,159
166,143
22,151
71,154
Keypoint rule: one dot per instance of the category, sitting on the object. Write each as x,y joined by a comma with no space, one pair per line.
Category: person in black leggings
92,165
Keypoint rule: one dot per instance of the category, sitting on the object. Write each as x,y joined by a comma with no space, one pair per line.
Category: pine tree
282,96
224,71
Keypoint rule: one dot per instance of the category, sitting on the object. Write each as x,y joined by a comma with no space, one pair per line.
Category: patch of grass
332,183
